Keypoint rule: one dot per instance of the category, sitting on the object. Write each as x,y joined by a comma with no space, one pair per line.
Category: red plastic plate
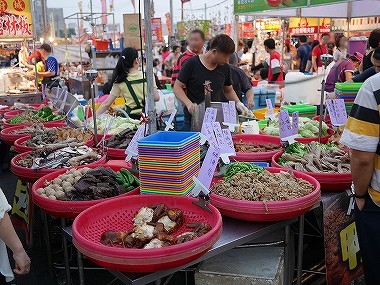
277,210
330,182
117,214
69,209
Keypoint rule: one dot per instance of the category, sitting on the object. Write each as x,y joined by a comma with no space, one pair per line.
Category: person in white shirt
8,237
340,52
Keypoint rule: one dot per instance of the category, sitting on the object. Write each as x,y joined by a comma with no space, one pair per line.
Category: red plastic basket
9,138
12,114
30,175
20,148
69,209
101,44
256,156
8,109
277,210
117,215
330,182
327,119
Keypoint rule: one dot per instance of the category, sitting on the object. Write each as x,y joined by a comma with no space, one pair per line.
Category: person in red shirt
318,51
273,64
196,41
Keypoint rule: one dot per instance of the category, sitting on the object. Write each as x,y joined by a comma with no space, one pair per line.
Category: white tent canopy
353,9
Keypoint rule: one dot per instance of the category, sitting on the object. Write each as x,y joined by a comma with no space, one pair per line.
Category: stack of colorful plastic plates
168,161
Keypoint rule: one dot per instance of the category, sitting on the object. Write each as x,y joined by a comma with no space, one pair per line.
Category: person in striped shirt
361,135
196,41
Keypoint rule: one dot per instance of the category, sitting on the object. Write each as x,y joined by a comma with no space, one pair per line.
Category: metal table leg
287,273
66,255
80,268
48,247
301,223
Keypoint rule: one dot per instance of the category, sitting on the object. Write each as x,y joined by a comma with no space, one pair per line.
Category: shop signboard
16,19
156,30
249,6
309,26
183,28
343,259
268,24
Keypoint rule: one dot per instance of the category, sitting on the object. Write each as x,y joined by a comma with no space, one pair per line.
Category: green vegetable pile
307,128
43,115
127,179
241,167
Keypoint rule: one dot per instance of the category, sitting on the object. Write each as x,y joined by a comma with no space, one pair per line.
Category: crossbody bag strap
133,93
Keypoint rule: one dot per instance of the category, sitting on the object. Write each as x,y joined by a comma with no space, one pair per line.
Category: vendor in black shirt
211,67
373,42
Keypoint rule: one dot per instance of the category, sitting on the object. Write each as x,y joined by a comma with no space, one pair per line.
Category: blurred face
220,58
44,54
343,42
177,50
325,39
256,75
376,64
196,43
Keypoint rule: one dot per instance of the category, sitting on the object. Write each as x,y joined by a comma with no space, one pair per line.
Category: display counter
31,97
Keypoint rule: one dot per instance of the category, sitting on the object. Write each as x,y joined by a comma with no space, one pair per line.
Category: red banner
156,30
15,19
248,30
308,26
168,23
104,11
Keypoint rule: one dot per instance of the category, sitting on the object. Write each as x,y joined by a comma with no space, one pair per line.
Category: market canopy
314,9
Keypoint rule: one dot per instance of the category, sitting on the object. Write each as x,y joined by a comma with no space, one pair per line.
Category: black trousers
2,280
368,229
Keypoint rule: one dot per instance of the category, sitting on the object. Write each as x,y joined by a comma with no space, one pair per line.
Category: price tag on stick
169,123
224,149
210,135
337,111
286,130
271,115
229,115
132,150
206,173
295,117
209,118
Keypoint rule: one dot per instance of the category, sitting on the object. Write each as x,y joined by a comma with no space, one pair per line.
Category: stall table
26,98
235,233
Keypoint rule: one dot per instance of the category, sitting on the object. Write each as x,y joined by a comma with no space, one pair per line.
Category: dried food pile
261,185
255,147
307,128
155,227
30,117
29,129
44,136
59,156
121,140
89,184
316,157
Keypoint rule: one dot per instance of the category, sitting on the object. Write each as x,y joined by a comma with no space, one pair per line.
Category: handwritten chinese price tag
210,135
337,111
295,117
229,142
229,115
209,164
286,129
270,114
209,118
224,148
132,150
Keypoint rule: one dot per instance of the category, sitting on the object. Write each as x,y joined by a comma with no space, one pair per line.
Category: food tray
20,148
117,214
277,210
8,109
330,182
69,209
30,175
327,119
9,138
324,139
12,114
255,156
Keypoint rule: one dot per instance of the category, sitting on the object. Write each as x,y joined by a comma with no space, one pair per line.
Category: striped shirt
362,131
181,60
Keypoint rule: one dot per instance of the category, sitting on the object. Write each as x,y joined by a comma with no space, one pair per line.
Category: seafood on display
62,155
316,157
264,187
44,136
155,227
85,184
254,147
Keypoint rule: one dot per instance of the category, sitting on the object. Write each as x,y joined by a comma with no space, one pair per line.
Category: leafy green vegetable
297,149
241,167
